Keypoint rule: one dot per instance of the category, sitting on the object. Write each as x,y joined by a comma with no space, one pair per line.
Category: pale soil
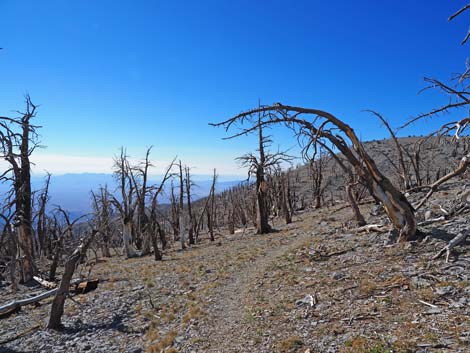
243,292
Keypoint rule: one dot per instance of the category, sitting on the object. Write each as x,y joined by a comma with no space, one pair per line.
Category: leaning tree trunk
55,260
57,308
352,201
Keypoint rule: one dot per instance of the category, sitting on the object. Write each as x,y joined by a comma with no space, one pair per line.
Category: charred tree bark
42,219
72,262
181,208
188,185
16,148
262,212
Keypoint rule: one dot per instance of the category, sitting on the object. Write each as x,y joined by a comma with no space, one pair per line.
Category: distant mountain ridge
73,191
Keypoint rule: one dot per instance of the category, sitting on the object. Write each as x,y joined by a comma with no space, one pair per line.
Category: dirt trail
229,331
229,323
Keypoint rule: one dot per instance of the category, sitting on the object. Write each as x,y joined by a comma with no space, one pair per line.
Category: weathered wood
86,286
460,238
44,283
373,228
7,309
57,308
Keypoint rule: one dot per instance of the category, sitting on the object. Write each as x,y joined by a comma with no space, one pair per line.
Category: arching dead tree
322,125
18,140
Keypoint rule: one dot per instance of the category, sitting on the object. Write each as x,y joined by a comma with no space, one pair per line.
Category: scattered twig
428,304
460,238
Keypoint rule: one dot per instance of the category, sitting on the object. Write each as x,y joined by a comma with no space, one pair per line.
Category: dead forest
392,187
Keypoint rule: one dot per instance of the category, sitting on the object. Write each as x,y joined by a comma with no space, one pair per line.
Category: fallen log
13,306
373,228
45,283
432,220
86,287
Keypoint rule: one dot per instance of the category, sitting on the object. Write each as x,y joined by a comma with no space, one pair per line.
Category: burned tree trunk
72,262
259,166
16,148
316,171
102,210
42,219
175,218
126,207
181,208
211,210
285,191
188,185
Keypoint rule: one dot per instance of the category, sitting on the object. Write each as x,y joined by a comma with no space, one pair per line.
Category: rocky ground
317,285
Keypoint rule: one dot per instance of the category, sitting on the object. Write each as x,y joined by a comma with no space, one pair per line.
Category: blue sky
139,73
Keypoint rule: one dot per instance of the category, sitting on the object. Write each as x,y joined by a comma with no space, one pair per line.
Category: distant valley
73,191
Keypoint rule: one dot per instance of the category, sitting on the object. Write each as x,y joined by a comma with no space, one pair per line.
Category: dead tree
350,183
142,242
415,158
175,213
18,140
63,231
10,244
192,223
317,166
41,216
325,126
211,210
458,93
153,227
126,207
181,208
286,203
402,169
102,218
207,209
264,162
71,264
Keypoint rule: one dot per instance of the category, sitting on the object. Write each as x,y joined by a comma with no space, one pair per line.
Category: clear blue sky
138,73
